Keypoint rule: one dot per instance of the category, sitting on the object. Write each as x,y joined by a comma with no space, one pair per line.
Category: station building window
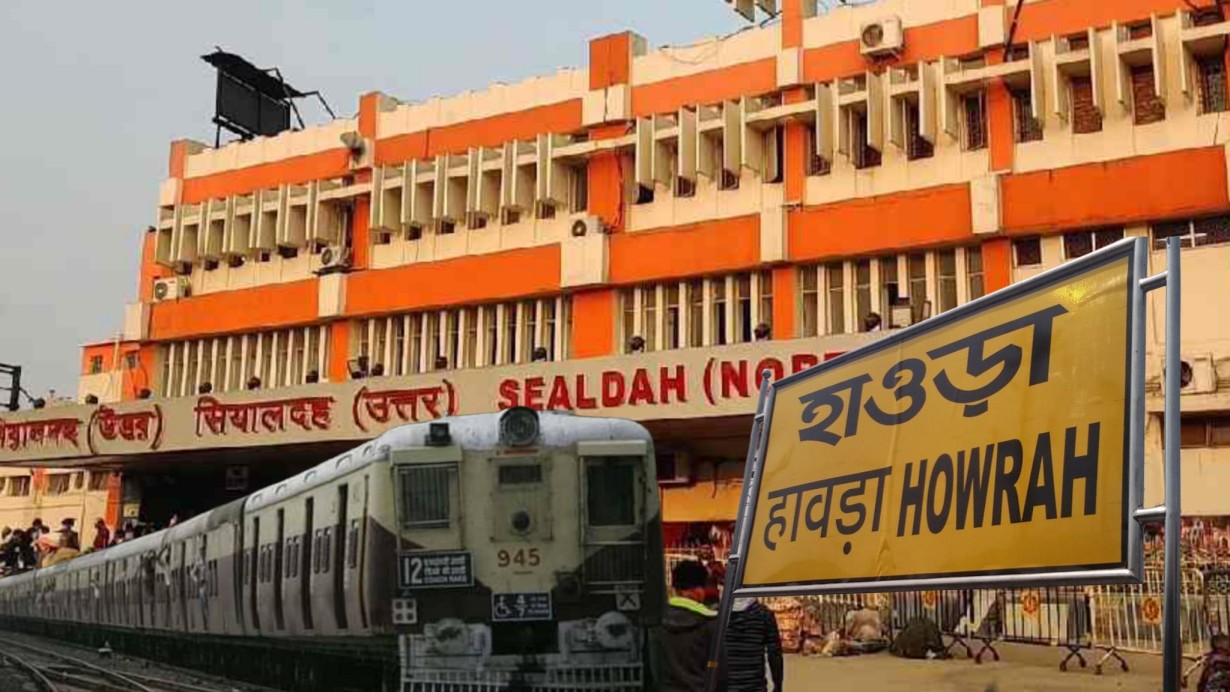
1212,74
710,311
468,337
1207,430
1027,252
1081,243
18,486
1202,232
974,120
1086,117
838,297
816,164
262,360
58,483
1026,127
917,146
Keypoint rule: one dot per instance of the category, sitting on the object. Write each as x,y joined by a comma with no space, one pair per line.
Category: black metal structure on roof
251,101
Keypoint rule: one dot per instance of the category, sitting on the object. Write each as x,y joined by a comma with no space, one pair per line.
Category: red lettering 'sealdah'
559,399
508,394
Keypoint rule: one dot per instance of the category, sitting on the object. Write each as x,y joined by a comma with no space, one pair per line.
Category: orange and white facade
506,246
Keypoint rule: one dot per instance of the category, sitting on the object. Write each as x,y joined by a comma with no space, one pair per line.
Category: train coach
519,550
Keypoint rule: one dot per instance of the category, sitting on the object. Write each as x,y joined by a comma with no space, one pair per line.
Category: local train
518,550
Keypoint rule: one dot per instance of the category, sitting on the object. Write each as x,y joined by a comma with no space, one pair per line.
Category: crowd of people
24,549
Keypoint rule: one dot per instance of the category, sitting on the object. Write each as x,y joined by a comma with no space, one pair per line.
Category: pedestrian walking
688,629
752,637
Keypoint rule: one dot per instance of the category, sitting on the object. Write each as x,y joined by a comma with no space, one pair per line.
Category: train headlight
438,435
519,427
520,521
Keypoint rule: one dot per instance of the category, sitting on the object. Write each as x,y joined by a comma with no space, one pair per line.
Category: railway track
54,671
29,671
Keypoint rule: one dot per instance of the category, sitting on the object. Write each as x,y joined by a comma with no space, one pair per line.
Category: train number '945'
520,557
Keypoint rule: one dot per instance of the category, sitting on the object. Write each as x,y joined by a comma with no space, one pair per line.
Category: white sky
93,92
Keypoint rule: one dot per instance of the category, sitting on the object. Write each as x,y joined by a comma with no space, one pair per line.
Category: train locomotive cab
528,550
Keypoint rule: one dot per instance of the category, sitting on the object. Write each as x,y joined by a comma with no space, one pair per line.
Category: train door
613,489
204,581
108,590
292,587
338,561
356,602
178,586
183,584
224,573
94,593
276,573
306,562
254,574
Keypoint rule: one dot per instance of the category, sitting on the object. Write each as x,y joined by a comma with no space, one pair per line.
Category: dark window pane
1219,431
1028,129
1212,83
916,146
520,474
1077,244
1028,251
425,496
610,492
1192,432
1212,230
1171,229
975,121
1107,236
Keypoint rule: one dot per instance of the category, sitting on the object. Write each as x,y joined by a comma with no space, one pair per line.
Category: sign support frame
734,573
1172,638
1170,512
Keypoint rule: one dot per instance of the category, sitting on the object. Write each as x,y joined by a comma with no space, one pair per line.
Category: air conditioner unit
1197,374
674,468
171,289
334,258
882,37
587,225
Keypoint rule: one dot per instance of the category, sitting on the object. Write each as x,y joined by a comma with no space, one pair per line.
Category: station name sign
665,384
987,442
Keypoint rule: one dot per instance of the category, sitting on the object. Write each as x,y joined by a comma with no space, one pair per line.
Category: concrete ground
1021,669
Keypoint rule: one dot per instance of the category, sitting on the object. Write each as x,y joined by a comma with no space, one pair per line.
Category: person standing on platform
688,629
102,534
751,637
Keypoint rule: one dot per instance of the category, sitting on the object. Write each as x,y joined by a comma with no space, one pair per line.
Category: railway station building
639,237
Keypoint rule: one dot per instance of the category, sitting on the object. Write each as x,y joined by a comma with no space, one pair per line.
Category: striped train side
300,580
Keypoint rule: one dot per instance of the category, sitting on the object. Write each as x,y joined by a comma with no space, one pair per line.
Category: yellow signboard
988,442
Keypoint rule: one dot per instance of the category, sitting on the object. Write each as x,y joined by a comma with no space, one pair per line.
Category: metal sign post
1172,636
735,562
994,422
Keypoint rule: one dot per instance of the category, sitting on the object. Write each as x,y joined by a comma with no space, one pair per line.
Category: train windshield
611,493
